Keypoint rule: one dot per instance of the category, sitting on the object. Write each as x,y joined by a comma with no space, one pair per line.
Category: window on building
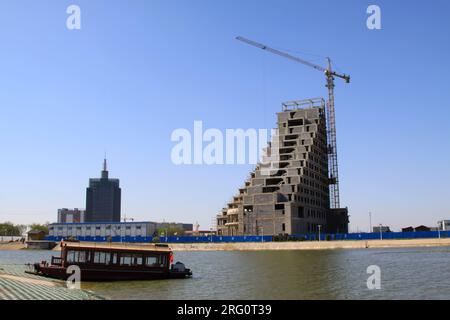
301,212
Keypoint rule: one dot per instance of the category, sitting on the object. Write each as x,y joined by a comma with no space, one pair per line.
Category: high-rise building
103,199
288,192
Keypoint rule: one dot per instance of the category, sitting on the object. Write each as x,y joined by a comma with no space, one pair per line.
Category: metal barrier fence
10,238
301,237
216,239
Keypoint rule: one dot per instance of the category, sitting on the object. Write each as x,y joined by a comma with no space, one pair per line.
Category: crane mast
330,112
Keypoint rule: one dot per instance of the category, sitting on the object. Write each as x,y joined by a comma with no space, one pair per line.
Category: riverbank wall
12,245
267,246
310,245
298,245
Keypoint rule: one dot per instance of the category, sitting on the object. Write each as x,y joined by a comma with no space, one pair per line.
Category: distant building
89,231
444,225
102,231
408,229
175,225
36,235
418,229
383,229
71,215
103,199
201,233
422,229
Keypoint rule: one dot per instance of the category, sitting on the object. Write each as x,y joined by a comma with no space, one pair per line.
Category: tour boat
113,262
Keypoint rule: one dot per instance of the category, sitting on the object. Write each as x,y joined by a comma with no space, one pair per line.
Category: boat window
82,256
114,258
76,256
137,260
151,261
155,261
71,256
102,257
125,260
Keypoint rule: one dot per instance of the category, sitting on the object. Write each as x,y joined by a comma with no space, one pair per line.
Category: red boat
113,262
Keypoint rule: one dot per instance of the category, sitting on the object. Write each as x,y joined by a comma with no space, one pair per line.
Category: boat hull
111,275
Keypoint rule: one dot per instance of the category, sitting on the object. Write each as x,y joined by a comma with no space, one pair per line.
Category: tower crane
331,117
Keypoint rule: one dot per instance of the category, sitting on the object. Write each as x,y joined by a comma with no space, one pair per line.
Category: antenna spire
105,168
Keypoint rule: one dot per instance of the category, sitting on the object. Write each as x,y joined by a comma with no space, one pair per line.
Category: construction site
295,188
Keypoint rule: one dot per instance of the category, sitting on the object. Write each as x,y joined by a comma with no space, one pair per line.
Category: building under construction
288,192
295,188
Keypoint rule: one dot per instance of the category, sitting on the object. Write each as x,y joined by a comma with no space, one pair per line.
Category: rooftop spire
105,169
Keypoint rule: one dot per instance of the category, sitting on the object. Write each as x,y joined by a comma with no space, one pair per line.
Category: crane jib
330,118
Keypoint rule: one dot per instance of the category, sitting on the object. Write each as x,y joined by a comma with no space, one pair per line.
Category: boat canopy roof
117,247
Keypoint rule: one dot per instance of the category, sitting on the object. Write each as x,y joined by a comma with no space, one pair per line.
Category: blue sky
137,70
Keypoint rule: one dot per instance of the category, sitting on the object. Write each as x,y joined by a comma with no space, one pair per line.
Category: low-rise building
89,231
36,235
115,231
417,229
382,229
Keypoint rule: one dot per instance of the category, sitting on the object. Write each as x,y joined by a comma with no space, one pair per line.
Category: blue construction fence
231,239
373,236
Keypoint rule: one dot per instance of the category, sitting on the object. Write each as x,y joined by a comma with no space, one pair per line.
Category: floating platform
15,284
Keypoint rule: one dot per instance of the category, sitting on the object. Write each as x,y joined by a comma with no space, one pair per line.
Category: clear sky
139,69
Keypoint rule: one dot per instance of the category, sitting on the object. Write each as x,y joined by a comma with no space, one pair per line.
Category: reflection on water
420,273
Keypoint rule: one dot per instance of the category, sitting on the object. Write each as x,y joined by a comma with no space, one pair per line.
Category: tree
40,227
9,229
171,231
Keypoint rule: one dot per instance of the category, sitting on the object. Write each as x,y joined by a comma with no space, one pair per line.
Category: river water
413,273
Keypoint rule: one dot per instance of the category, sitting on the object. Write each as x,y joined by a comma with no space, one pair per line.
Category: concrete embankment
310,245
300,245
12,246
15,284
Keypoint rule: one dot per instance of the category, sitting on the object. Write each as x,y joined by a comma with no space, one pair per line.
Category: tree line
17,230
